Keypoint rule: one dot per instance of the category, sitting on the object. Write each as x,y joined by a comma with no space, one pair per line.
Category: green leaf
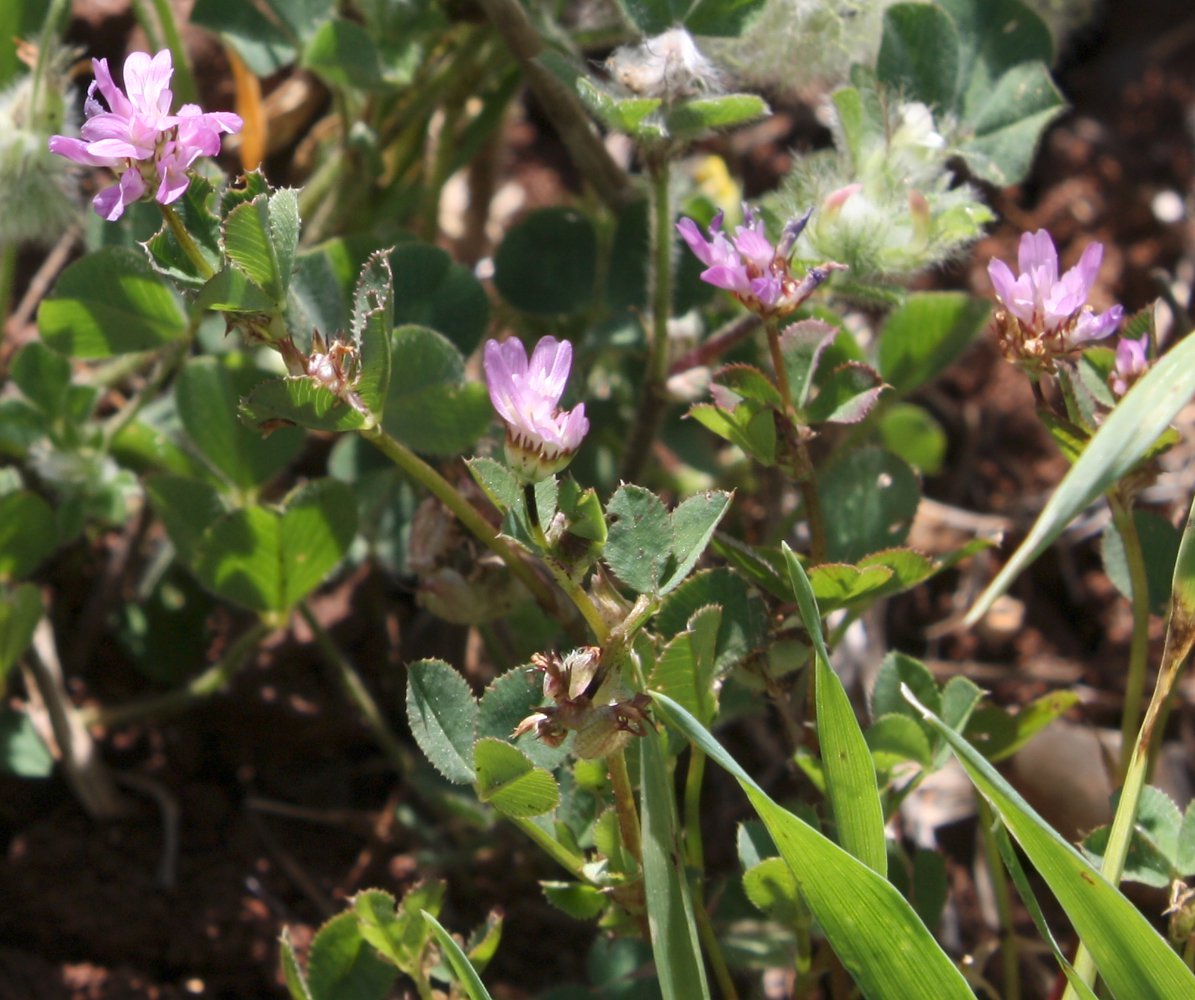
261,43
670,919
910,432
895,739
881,941
1159,545
22,750
186,507
431,290
515,695
387,928
1128,433
110,302
925,335
919,54
772,888
508,781
443,716
838,584
744,624
208,392
692,118
578,900
712,18
547,264
1007,127
751,426
261,237
685,669
1153,851
20,611
343,54
850,771
296,982
430,407
28,533
230,290
994,37
620,114
802,346
998,734
898,670
640,539
44,378
373,302
342,966
1131,956
693,522
465,973
300,401
868,500
268,559
846,393
1185,855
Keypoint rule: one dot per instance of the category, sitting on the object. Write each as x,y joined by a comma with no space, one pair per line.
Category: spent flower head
757,272
1043,315
540,437
132,133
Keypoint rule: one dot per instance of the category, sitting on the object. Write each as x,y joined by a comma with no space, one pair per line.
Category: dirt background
283,808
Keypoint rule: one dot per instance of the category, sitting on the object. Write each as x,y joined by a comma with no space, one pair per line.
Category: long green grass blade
1127,434
465,973
874,931
669,905
850,768
1135,962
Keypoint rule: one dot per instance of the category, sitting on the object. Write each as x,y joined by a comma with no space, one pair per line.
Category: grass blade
1135,962
850,768
669,905
465,973
874,931
1127,434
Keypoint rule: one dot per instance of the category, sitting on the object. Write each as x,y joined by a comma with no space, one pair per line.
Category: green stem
168,361
802,464
1126,527
188,245
652,401
560,103
1008,938
8,276
576,594
624,804
355,688
1180,637
465,512
46,51
572,863
695,860
197,689
182,83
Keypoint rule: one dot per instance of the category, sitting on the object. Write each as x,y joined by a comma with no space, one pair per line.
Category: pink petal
117,103
1035,252
701,248
78,151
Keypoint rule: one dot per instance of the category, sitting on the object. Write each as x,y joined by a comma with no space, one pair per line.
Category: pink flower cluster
1045,315
540,437
137,137
749,266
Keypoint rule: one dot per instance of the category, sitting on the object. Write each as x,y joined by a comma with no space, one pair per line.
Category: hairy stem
1126,527
624,804
574,590
652,401
560,103
415,467
188,245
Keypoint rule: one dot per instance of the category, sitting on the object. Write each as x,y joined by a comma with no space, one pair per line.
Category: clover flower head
749,266
540,437
1132,361
132,133
1044,315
